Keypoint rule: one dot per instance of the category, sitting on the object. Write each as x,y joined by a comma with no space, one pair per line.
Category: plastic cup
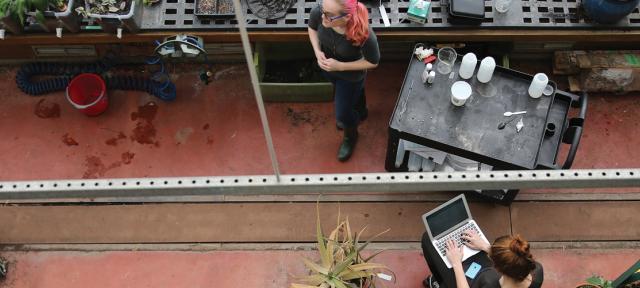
460,92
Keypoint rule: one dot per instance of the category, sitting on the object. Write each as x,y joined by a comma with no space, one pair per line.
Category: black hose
163,90
63,73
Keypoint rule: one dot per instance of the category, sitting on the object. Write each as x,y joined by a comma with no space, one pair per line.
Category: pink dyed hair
358,25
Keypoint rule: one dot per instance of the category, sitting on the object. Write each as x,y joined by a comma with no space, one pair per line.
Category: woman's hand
474,241
320,57
330,65
454,253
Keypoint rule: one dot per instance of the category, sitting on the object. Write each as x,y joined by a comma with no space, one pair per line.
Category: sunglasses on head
332,18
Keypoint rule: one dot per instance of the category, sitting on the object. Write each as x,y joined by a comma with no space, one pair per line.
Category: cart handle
574,130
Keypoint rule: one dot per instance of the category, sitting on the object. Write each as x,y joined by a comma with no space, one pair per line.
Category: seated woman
505,264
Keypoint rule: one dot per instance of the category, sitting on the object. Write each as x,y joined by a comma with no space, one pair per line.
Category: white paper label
385,276
385,18
59,32
2,34
119,33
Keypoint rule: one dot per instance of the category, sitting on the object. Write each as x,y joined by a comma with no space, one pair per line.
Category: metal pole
242,26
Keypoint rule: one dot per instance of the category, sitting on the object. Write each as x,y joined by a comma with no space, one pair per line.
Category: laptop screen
447,217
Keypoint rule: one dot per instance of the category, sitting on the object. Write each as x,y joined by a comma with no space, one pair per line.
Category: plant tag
384,276
2,34
385,17
59,32
119,33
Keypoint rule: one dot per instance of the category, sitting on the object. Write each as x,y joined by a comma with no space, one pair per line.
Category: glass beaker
446,59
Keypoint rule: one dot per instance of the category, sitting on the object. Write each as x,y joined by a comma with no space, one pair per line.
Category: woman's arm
315,43
461,280
454,255
361,64
335,65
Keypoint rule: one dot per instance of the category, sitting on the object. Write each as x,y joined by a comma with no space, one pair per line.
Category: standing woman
345,47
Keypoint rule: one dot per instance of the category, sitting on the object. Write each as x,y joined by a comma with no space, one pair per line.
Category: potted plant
113,14
59,14
596,281
44,15
6,20
626,280
341,263
14,13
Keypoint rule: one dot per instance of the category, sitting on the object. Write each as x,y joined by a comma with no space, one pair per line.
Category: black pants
442,274
350,101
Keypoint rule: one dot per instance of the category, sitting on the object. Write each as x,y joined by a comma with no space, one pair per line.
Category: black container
466,11
221,9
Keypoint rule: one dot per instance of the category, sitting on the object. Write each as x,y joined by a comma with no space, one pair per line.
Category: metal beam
318,183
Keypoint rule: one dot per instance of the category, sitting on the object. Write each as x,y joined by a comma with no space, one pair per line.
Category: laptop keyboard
441,244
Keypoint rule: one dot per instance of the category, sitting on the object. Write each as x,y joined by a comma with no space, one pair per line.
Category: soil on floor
304,71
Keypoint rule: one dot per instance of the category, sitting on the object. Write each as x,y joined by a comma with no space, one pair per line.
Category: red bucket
87,92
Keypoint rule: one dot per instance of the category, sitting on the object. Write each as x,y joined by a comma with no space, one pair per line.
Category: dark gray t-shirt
335,45
490,278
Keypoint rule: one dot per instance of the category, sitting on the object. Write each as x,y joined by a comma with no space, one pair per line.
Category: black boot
348,143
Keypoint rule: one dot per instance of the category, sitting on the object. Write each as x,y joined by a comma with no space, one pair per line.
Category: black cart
425,115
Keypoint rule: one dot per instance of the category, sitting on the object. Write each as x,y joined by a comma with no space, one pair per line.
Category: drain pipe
242,26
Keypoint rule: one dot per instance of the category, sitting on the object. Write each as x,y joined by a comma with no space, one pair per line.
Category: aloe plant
341,262
596,281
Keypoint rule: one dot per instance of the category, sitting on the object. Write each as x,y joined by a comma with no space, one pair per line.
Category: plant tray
128,18
215,9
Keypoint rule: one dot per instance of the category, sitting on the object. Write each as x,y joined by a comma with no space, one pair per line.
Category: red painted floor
259,269
215,130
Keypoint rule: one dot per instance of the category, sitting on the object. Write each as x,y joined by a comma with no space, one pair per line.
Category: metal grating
179,14
388,183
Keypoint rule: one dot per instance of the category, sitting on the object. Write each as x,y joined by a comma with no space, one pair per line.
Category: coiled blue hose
163,90
63,73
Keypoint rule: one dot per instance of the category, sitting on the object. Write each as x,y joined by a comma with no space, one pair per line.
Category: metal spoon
509,114
504,124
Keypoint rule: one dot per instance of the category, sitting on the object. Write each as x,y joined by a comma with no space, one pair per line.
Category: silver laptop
449,221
